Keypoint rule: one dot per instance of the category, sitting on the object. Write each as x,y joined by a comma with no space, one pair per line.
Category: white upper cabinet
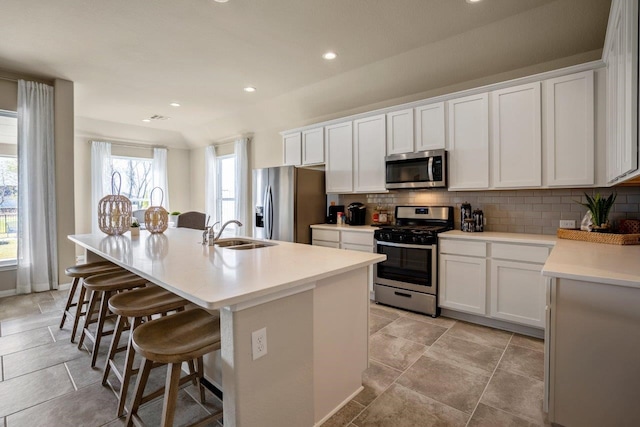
369,148
400,132
292,150
469,142
430,127
516,143
339,166
621,57
569,141
313,146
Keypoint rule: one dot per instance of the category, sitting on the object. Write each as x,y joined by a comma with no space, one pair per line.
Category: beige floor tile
34,359
486,416
528,342
188,411
24,340
55,305
466,354
480,334
376,379
414,330
81,373
516,394
449,384
345,415
377,322
445,322
90,406
524,361
402,407
34,388
395,352
384,311
32,321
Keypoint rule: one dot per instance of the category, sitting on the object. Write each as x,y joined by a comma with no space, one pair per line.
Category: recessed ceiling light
473,1
249,89
146,120
221,1
175,104
330,55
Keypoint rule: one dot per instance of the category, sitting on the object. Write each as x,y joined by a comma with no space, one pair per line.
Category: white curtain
100,177
210,183
242,185
37,236
159,166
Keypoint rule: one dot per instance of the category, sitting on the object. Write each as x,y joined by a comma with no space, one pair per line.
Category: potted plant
173,217
135,227
599,208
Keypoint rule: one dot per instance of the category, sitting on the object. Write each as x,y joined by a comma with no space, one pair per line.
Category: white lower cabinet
463,283
517,292
494,279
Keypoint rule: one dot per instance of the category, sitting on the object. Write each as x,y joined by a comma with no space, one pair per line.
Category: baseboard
494,323
7,293
337,408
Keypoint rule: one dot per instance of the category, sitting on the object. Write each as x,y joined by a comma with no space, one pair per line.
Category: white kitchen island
313,302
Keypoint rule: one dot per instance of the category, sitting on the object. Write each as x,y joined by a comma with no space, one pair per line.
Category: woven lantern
156,218
114,211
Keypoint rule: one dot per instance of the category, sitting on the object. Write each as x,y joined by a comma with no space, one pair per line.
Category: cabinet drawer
326,244
524,253
328,235
357,238
361,248
463,247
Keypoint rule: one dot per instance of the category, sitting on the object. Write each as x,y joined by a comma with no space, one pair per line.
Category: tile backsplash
516,211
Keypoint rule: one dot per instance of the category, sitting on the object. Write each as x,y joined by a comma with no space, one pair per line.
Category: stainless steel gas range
408,279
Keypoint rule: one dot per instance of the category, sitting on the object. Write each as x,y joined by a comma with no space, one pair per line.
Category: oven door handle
406,245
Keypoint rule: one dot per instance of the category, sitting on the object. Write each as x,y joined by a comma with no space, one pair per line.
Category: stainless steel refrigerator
286,201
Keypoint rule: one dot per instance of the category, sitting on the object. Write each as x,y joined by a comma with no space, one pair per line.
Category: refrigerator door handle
268,213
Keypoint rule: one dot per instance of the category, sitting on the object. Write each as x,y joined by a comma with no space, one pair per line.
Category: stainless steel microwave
426,169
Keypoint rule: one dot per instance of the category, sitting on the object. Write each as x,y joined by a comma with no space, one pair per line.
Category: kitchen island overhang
312,300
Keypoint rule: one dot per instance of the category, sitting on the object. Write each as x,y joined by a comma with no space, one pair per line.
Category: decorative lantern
156,218
114,211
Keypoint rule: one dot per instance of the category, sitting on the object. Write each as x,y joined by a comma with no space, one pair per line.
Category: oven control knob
416,239
423,240
401,238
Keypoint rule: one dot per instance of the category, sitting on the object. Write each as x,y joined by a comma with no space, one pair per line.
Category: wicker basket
156,218
609,238
114,211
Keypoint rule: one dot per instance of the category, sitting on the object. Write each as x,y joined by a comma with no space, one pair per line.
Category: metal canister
465,212
478,217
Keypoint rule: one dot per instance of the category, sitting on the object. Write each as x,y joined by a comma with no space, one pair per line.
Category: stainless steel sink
242,244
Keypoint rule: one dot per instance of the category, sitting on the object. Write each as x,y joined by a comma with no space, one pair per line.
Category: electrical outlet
259,343
567,223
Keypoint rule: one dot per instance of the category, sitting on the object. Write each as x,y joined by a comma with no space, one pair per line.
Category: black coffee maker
356,213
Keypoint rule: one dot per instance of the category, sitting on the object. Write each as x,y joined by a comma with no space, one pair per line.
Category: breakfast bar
312,301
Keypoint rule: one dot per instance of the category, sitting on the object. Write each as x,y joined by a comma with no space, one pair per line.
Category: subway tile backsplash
516,211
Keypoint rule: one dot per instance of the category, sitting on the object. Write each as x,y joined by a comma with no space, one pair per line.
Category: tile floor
423,372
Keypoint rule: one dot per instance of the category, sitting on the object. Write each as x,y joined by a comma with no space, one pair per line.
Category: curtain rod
9,79
130,144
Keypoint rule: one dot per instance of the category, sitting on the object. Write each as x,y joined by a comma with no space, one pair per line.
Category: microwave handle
430,169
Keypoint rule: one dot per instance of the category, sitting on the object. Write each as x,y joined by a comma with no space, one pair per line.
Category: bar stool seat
104,285
78,273
135,305
172,340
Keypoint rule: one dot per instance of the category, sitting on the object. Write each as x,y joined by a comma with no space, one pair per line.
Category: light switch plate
567,223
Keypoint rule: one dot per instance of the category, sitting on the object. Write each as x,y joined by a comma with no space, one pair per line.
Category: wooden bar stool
104,285
135,306
78,273
173,340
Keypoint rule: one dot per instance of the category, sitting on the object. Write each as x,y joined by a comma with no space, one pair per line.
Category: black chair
192,219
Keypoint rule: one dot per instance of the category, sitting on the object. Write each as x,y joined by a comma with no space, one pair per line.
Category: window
226,191
8,188
136,179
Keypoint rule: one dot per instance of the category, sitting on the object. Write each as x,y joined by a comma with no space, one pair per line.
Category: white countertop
358,228
495,236
595,262
214,277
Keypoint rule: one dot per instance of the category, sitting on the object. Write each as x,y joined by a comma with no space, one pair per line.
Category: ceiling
129,59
